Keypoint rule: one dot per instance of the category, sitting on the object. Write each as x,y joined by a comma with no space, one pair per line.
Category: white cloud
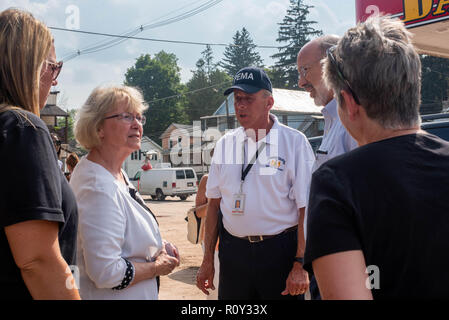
78,80
330,19
45,11
186,73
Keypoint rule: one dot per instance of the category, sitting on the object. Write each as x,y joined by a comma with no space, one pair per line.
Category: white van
159,183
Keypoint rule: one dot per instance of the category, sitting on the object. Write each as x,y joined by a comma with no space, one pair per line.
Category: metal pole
201,148
227,113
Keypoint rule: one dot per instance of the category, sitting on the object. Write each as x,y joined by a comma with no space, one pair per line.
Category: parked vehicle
159,183
436,124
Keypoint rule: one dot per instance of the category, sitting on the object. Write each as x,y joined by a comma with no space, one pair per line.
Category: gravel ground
180,284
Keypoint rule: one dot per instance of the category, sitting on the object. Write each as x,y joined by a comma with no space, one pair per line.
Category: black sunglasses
330,55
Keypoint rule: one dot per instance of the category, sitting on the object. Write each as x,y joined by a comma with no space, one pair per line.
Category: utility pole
229,124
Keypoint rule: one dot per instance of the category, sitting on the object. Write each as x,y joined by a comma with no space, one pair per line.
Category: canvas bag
193,226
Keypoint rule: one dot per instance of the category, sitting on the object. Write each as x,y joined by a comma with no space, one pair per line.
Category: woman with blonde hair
121,252
38,212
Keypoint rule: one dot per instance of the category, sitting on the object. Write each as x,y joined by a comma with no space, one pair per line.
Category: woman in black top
38,213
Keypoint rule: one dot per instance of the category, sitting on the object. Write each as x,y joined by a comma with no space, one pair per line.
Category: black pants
314,290
255,270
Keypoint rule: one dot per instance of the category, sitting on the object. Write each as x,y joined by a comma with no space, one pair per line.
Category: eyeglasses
55,68
129,117
330,55
304,69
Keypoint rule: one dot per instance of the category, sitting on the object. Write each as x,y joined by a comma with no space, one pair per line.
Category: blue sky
217,24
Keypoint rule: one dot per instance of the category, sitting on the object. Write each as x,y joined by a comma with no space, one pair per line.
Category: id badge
238,204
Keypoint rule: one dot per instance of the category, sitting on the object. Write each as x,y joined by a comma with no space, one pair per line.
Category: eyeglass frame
122,116
333,60
55,67
303,70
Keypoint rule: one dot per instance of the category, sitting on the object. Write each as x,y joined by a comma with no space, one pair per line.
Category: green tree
241,53
295,31
276,76
74,146
159,78
206,87
435,83
70,127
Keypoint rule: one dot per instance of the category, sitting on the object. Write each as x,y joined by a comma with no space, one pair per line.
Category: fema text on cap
244,76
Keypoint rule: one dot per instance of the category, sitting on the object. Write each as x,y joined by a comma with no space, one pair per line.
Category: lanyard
251,163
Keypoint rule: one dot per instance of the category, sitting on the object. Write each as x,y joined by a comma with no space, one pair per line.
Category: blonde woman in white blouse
120,249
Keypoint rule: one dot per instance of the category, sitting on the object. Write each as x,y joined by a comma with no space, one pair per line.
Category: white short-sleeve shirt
336,139
112,226
275,187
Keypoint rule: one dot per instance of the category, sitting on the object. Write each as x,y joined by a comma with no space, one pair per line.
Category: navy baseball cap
250,80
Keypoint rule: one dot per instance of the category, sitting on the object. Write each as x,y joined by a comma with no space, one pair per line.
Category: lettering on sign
420,9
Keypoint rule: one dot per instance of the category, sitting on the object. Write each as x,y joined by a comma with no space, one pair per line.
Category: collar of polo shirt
269,138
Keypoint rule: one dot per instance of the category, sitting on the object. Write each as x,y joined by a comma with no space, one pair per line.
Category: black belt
254,239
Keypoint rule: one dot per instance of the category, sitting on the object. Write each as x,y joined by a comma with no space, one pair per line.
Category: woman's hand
165,263
171,250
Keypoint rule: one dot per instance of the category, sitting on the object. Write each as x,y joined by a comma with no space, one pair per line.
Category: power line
136,30
133,32
79,52
139,38
128,35
189,92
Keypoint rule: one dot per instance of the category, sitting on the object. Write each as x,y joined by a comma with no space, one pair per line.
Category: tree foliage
159,78
294,31
205,87
241,53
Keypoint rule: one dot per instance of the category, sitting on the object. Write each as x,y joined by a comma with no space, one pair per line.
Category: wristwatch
299,259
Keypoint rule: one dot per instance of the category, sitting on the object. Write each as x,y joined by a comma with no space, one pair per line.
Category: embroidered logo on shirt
276,163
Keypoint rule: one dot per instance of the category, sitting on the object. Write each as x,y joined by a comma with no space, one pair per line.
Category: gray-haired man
336,140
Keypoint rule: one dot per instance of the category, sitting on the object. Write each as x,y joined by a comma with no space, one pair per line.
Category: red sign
414,13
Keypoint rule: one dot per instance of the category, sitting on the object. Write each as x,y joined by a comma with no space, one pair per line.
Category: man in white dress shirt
336,140
257,189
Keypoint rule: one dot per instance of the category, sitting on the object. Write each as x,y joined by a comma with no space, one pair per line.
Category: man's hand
297,281
205,276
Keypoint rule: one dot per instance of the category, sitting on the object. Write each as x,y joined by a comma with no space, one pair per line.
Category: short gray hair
327,41
383,68
101,101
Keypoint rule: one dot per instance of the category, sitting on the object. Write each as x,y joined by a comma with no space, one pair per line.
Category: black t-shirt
389,199
32,187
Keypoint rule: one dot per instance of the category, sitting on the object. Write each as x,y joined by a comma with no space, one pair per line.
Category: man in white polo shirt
257,189
336,139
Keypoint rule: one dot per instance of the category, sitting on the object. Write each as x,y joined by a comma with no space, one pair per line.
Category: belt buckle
250,239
